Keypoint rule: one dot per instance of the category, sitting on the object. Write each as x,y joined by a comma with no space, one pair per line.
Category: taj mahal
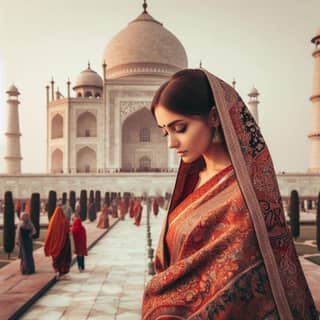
101,134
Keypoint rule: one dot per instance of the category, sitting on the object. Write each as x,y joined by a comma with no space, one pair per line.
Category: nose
172,141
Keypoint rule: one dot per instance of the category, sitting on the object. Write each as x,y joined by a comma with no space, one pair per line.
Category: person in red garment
80,242
57,243
225,251
137,209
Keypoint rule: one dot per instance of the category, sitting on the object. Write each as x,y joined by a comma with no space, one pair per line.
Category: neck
216,158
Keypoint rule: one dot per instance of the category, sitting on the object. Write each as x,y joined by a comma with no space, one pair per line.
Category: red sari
225,251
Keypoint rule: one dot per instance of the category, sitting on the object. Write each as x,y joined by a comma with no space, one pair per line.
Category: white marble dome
88,78
144,47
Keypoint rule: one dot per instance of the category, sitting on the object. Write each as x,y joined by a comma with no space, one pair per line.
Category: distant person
137,212
114,208
67,210
80,242
103,219
25,231
57,243
122,209
18,208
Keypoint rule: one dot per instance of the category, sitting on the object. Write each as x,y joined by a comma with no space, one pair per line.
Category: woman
24,233
57,243
137,209
80,242
103,221
225,251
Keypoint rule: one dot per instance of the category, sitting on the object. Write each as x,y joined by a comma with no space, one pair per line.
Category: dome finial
89,65
200,64
145,6
234,83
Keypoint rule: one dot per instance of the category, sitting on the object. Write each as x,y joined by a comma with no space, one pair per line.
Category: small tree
294,214
83,205
91,196
52,203
72,200
318,222
64,198
35,213
107,199
8,223
98,201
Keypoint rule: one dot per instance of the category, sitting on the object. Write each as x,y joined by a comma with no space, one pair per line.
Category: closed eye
164,132
180,128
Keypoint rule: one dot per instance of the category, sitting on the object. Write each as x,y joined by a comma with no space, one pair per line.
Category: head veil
256,177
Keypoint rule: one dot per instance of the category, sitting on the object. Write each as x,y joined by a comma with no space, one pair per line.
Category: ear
213,117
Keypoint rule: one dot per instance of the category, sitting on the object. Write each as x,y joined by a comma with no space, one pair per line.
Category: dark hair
187,92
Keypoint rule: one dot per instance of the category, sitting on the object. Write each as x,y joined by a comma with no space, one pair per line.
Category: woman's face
190,136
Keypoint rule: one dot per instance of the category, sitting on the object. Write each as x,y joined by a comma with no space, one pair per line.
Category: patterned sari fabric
225,251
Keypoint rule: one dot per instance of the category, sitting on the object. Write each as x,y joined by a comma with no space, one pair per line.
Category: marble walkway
113,283
111,286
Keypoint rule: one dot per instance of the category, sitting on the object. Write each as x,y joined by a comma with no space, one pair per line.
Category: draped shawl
80,237
234,257
57,233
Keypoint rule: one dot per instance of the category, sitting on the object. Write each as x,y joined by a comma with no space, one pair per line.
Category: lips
181,152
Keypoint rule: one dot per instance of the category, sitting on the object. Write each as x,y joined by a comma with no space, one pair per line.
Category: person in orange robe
114,207
137,212
122,207
80,242
57,243
103,221
225,251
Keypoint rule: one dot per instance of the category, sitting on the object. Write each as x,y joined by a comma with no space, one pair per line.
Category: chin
187,159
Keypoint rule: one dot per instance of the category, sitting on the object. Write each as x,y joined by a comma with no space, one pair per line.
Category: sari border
251,199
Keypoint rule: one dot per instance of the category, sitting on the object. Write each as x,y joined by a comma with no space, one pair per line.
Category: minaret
314,136
253,103
12,156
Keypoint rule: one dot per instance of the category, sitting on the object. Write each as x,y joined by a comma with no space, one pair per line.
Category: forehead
165,116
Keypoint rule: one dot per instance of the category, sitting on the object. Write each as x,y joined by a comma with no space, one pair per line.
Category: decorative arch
141,137
86,125
57,127
86,160
57,161
88,94
144,163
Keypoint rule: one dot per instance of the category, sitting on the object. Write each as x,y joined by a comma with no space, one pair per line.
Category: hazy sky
261,43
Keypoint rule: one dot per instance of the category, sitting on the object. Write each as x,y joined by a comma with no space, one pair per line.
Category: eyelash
181,130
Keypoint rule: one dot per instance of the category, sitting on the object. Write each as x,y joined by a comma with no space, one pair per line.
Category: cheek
200,139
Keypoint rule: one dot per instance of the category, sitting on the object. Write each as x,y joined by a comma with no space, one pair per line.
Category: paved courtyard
111,286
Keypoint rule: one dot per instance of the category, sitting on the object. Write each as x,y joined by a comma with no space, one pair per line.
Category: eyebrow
170,124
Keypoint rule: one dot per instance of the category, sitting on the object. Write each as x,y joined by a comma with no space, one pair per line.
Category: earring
217,136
